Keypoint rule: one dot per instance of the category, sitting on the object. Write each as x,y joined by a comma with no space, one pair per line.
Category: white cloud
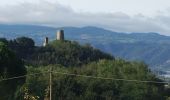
54,14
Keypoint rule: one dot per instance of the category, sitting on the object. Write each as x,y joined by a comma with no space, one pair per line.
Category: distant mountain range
152,48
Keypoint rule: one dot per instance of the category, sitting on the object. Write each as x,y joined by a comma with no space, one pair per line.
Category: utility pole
48,94
51,83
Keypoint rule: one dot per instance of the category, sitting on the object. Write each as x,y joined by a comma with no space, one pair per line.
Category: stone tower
45,41
60,35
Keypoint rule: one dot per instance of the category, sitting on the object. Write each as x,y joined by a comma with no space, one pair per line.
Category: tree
67,53
72,87
4,40
10,66
25,42
22,46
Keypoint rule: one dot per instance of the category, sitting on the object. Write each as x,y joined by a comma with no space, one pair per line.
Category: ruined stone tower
45,41
60,35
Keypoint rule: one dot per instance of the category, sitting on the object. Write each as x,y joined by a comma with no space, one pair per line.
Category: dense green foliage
23,47
72,87
4,40
152,48
10,66
67,53
74,59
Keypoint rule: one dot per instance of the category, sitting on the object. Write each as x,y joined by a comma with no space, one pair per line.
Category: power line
12,78
86,76
107,78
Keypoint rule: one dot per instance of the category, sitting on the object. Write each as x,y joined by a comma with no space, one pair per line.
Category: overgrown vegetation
80,72
10,66
72,87
66,53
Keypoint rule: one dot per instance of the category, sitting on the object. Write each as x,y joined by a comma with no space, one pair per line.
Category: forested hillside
66,53
152,48
79,72
68,84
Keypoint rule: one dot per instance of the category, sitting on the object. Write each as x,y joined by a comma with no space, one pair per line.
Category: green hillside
68,53
79,72
98,86
151,48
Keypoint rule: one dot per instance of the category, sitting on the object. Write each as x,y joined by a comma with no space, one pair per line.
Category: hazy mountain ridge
152,48
83,34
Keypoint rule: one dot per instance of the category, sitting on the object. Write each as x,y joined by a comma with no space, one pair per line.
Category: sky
116,15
